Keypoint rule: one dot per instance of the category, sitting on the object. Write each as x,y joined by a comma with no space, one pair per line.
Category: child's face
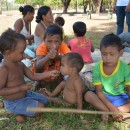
16,55
110,55
65,68
53,42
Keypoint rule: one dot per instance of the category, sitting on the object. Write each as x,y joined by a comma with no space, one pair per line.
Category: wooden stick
74,111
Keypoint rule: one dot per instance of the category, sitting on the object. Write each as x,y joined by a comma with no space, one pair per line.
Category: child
110,77
73,87
49,53
59,21
81,44
13,89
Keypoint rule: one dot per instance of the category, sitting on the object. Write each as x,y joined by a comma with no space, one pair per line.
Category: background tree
65,5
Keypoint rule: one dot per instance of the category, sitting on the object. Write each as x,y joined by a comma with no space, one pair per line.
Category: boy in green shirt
110,76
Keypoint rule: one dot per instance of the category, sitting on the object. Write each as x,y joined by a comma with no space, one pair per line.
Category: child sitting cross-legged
15,92
110,76
73,88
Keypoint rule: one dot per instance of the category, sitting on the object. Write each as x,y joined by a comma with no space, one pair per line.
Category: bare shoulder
3,70
19,22
77,80
39,29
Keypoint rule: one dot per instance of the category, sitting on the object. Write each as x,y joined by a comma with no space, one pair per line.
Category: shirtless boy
73,88
13,89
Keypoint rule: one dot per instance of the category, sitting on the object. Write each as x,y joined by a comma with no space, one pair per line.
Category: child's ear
7,52
121,52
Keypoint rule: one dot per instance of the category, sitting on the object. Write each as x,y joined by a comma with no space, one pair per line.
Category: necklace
43,24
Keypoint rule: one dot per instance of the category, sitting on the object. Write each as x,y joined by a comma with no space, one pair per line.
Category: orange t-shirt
42,49
52,64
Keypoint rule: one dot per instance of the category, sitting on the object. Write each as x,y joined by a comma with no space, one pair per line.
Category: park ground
97,27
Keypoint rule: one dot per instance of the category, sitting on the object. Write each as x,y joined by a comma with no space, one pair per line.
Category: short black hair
9,40
43,10
111,40
26,9
60,20
79,28
53,30
75,60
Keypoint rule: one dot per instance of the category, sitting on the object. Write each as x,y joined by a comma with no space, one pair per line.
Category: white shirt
122,2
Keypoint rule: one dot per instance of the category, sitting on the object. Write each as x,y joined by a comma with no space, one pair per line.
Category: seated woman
44,18
23,26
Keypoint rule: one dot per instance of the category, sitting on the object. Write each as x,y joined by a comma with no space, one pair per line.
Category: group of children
55,60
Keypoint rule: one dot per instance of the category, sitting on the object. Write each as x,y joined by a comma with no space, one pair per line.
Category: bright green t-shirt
112,84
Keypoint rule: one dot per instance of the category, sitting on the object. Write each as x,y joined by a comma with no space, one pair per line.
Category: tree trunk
66,5
97,4
85,4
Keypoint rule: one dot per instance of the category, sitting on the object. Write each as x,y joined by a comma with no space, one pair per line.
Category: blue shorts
118,100
20,106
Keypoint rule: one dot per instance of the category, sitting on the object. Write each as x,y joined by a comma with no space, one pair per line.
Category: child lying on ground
13,89
73,88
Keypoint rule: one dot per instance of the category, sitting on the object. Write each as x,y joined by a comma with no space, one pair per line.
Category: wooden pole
74,111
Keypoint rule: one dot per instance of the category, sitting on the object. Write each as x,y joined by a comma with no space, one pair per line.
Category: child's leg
93,99
56,100
125,108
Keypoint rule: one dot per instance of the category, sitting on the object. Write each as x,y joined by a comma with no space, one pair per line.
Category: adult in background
122,8
44,18
23,26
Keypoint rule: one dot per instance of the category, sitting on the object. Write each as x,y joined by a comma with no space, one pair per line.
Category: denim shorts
118,100
20,106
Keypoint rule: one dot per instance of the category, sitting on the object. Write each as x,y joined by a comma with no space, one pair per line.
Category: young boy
49,53
13,89
109,78
73,88
81,44
59,21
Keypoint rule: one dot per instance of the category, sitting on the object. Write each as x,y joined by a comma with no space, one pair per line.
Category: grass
63,121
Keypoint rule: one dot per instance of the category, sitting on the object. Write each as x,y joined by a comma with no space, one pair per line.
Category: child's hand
53,73
52,54
44,90
25,87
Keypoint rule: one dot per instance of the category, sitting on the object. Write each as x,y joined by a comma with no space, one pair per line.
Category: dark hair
60,21
43,10
111,40
26,9
53,30
75,60
79,28
9,40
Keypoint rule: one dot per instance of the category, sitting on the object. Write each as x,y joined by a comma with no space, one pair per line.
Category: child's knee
88,96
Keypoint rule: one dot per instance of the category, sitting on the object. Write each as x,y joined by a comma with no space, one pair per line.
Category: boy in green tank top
110,76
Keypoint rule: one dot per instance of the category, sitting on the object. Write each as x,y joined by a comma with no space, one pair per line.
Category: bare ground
99,24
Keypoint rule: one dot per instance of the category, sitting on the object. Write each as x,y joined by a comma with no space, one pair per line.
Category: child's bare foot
105,118
20,118
1,105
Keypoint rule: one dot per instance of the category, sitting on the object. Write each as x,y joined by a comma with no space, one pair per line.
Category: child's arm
39,76
78,85
5,90
107,103
41,61
57,90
